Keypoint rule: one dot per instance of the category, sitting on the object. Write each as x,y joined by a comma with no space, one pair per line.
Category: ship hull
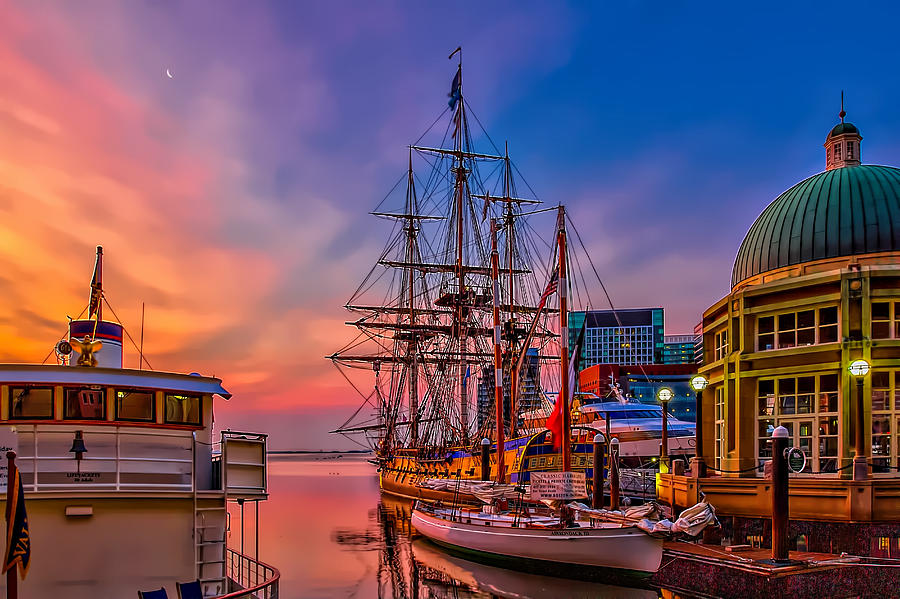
404,473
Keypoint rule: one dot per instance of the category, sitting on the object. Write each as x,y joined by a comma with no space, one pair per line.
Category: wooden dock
698,570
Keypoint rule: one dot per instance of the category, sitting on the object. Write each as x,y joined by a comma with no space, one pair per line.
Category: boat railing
115,459
250,578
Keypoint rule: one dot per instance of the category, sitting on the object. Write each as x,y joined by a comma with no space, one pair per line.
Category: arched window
849,150
837,151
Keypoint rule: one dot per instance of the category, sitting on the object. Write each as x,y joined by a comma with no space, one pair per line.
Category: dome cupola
842,146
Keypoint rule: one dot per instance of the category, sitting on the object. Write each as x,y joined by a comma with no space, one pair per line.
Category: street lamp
859,369
664,395
699,383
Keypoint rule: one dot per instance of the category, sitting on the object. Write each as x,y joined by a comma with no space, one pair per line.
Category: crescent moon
168,73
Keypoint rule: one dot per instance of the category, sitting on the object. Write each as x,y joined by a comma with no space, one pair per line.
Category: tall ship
125,485
459,318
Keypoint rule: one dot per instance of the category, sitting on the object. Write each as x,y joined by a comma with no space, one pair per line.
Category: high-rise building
679,349
632,336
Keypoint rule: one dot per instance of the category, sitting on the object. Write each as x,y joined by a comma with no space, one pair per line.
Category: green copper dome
841,212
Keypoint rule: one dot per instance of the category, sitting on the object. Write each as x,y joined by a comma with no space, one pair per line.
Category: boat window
132,404
31,402
182,409
85,403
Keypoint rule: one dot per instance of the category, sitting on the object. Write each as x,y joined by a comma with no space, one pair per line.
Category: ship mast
513,337
498,354
564,343
461,315
411,210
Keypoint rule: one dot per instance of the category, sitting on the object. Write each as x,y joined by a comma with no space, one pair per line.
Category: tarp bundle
649,518
486,491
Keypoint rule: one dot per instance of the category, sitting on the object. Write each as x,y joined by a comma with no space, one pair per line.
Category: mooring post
485,459
780,440
599,459
614,474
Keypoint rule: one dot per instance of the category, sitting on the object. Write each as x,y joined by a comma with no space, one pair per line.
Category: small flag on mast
96,285
552,287
455,89
18,541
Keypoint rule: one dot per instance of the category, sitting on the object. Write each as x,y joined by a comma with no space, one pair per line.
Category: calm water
332,534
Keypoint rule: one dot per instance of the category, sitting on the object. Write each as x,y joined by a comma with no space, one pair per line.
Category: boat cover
649,518
486,491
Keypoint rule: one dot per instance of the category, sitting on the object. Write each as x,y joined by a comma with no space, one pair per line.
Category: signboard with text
564,486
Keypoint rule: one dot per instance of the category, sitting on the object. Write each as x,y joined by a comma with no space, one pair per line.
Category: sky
232,199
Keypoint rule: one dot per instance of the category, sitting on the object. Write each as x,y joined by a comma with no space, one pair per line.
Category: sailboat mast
498,355
411,211
564,343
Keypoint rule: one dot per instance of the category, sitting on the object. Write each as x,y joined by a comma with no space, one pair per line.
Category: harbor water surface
332,534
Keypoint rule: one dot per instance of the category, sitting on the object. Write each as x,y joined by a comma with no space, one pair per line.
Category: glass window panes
31,402
792,329
828,324
85,403
881,390
134,404
766,333
766,398
182,409
828,393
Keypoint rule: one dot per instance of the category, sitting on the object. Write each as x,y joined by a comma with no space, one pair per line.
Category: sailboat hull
626,549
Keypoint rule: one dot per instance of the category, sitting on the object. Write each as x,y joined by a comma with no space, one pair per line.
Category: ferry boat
126,486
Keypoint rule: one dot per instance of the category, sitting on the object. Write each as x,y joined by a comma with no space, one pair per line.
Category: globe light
859,368
665,394
699,382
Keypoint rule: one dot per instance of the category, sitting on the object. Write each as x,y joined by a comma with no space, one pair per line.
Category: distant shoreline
313,451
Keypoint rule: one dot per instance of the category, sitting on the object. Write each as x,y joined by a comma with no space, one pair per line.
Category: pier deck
711,571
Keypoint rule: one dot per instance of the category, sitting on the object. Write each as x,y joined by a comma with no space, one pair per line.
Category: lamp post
859,369
664,395
698,465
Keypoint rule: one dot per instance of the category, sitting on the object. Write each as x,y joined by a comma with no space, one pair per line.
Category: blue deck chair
160,594
189,590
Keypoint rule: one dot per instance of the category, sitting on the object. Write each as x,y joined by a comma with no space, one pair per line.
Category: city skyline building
679,349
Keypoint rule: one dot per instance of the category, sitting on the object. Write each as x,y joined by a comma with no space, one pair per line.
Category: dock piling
599,459
780,516
614,474
485,459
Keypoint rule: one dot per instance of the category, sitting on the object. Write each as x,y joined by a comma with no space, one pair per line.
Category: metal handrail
257,580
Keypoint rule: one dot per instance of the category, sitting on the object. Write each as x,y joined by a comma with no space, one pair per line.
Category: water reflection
410,567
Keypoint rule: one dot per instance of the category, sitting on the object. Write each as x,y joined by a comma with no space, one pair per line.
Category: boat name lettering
83,477
569,533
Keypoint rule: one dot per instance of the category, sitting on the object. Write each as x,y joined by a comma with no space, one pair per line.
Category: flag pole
12,590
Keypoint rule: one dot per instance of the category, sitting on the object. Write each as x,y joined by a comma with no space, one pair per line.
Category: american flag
552,286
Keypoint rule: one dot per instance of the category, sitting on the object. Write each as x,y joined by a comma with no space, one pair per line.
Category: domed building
815,287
